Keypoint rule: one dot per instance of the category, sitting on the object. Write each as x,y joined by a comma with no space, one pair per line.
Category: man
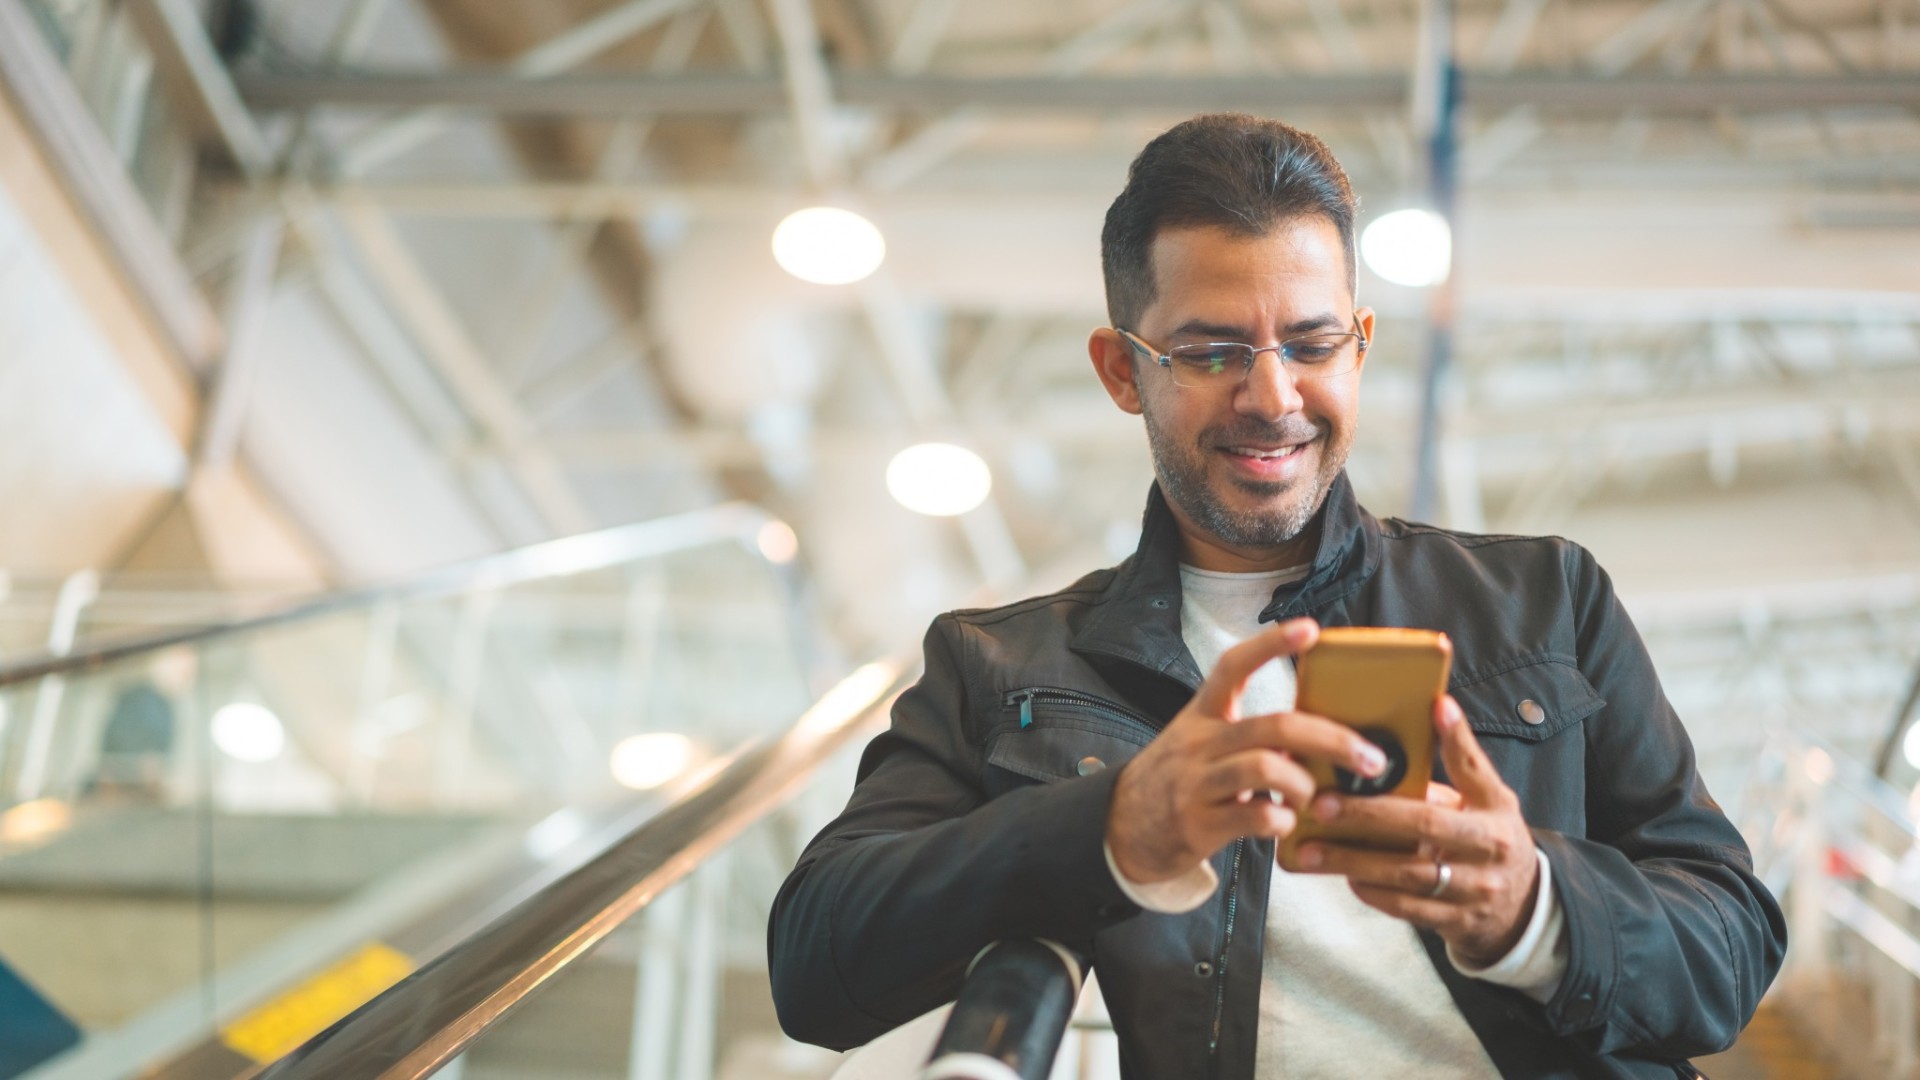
1094,767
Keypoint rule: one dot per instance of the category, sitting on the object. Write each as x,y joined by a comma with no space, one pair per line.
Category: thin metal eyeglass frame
1165,359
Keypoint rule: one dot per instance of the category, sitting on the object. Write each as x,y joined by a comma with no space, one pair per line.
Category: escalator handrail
1011,1014
559,558
428,1018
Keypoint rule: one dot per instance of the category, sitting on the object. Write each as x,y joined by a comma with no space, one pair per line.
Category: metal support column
1436,99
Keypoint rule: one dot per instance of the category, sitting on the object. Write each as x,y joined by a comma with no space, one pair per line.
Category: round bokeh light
248,732
1910,746
1409,247
828,246
644,762
778,542
939,479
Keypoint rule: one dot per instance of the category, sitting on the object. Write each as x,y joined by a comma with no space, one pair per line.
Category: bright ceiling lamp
33,821
248,732
828,246
778,542
644,762
1910,746
1409,247
939,479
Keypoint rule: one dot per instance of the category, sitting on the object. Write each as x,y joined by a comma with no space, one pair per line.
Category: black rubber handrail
427,1019
1012,1013
550,559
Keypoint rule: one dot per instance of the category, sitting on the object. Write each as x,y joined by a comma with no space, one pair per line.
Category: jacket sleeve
1672,939
886,907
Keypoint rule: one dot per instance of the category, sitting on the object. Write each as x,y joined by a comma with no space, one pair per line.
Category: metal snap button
1089,765
1531,712
1203,969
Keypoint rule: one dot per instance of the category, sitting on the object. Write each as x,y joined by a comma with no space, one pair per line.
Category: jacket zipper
1226,947
1025,698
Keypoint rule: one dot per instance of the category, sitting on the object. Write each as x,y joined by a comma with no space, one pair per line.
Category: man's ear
1363,318
1113,361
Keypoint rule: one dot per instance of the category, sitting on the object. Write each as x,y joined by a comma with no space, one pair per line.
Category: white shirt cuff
1175,896
1538,961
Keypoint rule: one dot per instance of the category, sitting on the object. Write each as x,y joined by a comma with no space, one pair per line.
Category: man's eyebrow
1328,321
1200,328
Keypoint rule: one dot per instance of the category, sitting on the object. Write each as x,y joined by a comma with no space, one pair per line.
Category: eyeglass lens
1320,356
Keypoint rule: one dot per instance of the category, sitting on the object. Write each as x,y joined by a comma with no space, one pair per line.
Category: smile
1264,454
1266,464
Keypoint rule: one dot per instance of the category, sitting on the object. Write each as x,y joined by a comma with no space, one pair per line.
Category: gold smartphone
1382,681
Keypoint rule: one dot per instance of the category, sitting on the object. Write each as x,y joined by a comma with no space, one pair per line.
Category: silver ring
1444,878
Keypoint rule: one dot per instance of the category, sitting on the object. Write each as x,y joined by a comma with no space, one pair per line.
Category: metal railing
1842,848
587,622
559,558
425,1021
1010,1016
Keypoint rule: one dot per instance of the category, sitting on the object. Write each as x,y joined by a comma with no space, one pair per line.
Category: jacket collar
1138,618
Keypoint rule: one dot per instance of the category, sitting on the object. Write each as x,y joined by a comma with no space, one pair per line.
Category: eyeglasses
1226,363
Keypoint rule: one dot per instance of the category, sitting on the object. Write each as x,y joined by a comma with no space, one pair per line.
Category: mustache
1292,429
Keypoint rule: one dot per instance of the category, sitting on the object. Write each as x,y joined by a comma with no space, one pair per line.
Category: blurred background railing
257,824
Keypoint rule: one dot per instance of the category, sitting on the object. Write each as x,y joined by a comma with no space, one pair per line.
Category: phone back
1382,681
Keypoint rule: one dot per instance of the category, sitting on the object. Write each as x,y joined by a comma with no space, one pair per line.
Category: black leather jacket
971,822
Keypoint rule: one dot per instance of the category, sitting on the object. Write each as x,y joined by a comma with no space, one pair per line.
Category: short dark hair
1242,173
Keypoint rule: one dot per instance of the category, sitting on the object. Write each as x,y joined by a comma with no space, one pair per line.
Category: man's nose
1269,391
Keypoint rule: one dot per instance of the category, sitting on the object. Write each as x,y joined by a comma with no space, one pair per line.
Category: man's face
1245,467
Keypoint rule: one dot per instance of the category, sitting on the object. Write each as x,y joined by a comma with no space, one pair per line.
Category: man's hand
1203,782
1494,875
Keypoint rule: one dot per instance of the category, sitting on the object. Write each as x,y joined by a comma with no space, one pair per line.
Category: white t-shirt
1345,990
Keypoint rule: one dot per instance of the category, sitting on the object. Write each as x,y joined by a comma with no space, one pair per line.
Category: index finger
1467,765
1220,693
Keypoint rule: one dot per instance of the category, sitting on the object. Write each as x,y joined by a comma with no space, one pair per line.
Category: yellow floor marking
271,1031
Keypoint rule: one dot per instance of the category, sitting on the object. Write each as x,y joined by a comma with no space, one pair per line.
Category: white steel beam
1232,40
809,91
247,298
1489,150
431,321
920,36
602,95
97,184
940,139
1337,35
199,87
350,38
198,83
563,52
573,377
576,234
1511,31
741,21
1622,49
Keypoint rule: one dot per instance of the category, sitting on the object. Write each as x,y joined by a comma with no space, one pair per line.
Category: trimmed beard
1183,478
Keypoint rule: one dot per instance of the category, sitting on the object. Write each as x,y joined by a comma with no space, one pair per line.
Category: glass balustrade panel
190,838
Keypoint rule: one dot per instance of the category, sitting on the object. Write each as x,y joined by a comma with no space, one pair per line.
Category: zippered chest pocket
1062,734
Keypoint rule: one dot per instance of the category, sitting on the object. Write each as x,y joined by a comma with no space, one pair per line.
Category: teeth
1248,451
